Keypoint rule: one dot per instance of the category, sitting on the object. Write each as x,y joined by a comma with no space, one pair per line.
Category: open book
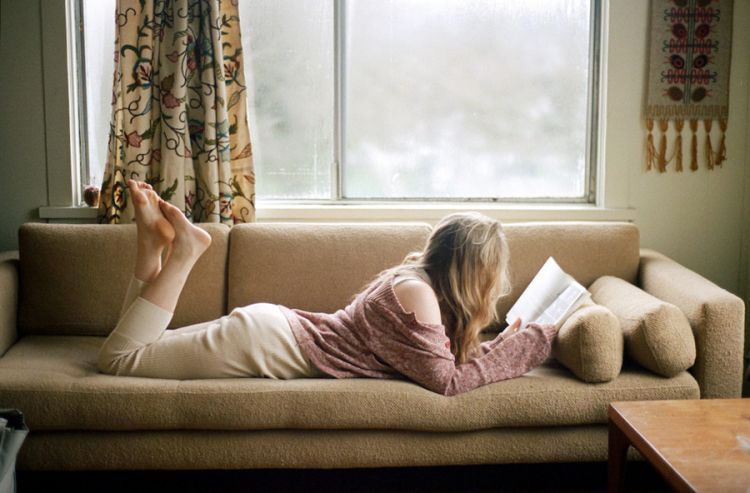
550,298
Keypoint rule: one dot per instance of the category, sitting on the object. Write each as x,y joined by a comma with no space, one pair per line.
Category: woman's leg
147,317
252,341
227,347
154,235
189,244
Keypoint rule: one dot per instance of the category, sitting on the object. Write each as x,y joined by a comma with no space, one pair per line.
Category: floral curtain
179,117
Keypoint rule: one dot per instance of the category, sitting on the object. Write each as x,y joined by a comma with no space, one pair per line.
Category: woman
420,320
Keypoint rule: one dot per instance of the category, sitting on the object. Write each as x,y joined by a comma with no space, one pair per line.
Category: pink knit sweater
374,337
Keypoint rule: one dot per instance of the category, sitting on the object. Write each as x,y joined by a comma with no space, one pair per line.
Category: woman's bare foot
189,244
190,241
154,231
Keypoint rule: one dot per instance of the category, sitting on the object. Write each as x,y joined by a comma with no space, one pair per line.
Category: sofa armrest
716,316
8,299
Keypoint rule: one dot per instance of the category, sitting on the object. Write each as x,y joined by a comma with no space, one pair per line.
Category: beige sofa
59,301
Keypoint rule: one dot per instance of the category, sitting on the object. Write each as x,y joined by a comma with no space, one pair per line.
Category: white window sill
70,212
429,212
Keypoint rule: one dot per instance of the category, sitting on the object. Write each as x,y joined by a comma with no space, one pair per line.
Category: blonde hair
466,258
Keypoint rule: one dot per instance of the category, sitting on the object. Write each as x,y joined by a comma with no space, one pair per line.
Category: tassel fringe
694,145
708,150
662,158
656,157
721,156
650,149
678,125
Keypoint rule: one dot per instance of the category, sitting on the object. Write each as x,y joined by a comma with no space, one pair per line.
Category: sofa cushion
590,344
585,250
657,334
314,267
320,267
53,380
8,299
320,449
73,278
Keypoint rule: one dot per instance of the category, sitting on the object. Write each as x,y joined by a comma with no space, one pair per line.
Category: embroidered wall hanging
688,81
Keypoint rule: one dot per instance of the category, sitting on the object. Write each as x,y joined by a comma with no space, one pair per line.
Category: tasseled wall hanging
691,43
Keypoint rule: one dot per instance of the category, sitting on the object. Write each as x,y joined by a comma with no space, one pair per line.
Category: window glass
477,98
288,48
98,51
442,98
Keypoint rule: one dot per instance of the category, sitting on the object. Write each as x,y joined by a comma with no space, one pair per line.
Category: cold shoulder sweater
375,337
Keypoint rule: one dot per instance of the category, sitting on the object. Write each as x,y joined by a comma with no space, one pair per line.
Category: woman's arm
487,346
421,352
509,358
418,297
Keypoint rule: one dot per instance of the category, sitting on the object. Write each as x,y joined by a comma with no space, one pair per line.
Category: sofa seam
380,395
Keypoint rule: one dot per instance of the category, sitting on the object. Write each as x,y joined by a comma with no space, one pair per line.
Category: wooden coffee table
692,443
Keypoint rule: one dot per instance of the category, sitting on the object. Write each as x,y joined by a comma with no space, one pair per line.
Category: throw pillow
657,334
590,344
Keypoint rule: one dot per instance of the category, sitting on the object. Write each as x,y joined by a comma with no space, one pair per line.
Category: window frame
609,201
60,123
77,53
339,152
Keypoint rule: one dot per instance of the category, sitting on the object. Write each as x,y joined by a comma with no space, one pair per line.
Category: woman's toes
137,195
172,213
165,230
153,228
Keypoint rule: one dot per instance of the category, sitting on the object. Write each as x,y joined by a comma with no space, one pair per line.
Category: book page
585,296
543,290
561,307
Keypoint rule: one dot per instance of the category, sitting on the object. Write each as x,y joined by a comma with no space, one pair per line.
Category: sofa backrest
314,267
319,267
73,278
585,250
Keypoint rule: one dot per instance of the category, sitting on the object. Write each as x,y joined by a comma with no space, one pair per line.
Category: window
96,49
363,100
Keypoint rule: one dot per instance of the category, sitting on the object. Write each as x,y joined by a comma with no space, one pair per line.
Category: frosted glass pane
475,98
443,98
288,46
99,49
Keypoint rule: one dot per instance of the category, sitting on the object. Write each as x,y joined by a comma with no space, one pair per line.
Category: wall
697,218
747,205
702,218
23,171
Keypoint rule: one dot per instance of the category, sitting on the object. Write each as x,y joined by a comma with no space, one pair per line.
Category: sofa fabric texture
55,381
190,449
320,267
657,334
313,267
70,281
590,344
717,318
8,299
73,278
585,250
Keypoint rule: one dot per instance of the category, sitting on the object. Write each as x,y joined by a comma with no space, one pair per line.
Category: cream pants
252,341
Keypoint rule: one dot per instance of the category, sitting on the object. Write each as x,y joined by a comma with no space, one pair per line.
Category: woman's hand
512,328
